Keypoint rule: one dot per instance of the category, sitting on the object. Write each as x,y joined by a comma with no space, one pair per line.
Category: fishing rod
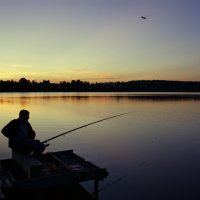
45,141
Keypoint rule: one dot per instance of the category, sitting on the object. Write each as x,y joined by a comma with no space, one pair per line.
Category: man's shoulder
14,121
10,128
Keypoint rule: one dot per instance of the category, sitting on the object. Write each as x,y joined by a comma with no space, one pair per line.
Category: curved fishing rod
45,141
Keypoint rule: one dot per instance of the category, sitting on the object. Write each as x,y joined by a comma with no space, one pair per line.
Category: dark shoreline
24,85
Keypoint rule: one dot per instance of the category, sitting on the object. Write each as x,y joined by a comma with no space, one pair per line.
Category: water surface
151,153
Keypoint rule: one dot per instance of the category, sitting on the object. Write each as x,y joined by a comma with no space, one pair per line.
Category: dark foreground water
151,153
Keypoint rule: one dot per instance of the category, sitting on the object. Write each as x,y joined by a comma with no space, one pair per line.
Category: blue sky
99,40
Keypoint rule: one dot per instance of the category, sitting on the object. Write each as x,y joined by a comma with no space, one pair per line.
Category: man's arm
31,133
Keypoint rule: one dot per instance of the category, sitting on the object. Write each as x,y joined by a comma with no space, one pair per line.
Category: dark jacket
11,129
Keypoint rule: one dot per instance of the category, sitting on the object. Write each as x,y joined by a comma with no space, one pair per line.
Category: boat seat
29,164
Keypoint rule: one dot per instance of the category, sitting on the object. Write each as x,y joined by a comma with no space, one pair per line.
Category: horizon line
67,81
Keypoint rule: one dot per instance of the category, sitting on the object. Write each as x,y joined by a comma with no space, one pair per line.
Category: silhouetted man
21,135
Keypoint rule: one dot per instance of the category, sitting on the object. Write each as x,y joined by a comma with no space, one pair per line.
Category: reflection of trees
24,85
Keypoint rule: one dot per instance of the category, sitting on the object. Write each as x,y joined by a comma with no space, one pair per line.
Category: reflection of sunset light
55,113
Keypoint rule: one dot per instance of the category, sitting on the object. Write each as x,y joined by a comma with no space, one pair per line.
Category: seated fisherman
21,135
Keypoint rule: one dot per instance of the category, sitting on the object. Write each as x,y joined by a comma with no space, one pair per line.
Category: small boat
24,175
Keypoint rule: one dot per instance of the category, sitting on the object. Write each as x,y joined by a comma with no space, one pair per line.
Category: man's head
24,114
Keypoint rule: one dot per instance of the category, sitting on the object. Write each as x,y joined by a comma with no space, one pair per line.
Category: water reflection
155,149
11,98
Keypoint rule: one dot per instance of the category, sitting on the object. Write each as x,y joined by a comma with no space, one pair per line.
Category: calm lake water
151,153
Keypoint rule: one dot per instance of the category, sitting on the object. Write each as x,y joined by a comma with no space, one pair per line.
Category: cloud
18,66
88,75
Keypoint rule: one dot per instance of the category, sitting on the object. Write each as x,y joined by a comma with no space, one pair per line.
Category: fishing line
111,184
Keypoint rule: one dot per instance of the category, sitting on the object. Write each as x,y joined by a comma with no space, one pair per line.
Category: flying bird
143,17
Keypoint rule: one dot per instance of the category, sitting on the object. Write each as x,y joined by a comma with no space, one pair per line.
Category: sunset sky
99,40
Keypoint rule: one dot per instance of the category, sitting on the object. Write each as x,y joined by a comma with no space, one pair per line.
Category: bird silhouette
143,17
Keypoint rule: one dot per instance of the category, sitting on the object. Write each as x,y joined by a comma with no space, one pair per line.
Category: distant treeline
24,85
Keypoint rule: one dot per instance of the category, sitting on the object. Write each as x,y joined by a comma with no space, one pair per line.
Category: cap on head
23,113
